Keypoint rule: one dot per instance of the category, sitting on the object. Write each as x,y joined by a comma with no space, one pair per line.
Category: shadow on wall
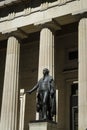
2,69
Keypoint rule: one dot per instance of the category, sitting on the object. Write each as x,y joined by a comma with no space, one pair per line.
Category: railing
22,109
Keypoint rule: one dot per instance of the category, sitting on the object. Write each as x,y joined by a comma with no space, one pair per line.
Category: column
10,89
82,75
46,52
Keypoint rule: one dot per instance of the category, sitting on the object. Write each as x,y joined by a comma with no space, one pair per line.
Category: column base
42,125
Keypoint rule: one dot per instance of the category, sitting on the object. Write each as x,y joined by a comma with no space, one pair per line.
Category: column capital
51,24
47,26
12,34
82,19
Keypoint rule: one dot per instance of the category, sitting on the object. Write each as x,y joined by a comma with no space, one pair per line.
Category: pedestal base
42,125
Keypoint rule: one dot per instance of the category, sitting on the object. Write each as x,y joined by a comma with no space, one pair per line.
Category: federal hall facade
37,34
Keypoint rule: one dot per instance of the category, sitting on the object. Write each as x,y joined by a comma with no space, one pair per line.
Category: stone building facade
36,34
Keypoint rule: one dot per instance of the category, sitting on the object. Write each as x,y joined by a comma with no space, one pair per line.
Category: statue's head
45,71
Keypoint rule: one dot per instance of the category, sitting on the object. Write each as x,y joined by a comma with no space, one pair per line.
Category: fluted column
46,52
82,106
10,89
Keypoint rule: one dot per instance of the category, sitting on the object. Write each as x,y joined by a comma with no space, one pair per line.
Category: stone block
42,125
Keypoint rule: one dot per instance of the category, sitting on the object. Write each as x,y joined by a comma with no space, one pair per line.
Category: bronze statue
46,103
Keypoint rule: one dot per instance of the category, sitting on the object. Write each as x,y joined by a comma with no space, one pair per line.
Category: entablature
68,7
30,18
16,6
10,2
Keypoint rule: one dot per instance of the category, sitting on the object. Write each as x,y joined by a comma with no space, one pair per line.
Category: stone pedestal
42,126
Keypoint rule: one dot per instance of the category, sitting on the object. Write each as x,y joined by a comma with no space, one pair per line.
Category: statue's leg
45,101
39,105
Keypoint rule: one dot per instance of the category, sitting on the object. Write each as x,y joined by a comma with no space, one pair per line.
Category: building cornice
37,16
8,2
28,11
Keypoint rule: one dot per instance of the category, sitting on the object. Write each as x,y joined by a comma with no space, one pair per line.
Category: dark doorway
74,107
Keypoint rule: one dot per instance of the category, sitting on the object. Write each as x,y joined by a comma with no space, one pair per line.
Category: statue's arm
33,89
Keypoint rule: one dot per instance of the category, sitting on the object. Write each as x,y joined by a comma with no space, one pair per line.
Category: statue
46,99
